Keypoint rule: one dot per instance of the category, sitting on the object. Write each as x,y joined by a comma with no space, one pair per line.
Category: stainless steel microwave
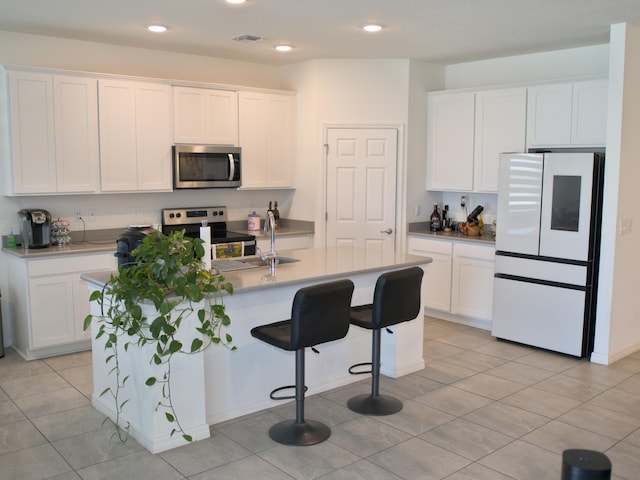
206,166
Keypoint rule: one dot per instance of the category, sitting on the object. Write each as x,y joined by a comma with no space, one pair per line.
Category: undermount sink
257,261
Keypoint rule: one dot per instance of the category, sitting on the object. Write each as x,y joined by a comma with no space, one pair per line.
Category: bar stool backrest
396,297
321,313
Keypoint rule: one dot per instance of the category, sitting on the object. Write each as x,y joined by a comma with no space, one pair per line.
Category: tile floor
481,409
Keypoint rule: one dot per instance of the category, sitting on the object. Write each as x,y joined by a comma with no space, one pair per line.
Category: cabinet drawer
71,264
423,246
474,251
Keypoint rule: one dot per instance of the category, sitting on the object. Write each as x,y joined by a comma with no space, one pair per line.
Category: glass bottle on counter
436,221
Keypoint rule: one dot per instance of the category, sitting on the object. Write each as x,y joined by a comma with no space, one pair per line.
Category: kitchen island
224,384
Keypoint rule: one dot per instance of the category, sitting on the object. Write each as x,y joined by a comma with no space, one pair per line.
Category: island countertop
314,265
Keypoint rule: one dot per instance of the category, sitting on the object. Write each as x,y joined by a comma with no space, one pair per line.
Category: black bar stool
319,314
396,299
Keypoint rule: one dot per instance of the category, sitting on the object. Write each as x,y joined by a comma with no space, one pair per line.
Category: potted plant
160,307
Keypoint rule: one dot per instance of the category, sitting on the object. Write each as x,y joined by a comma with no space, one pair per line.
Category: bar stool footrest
367,404
284,397
308,432
362,372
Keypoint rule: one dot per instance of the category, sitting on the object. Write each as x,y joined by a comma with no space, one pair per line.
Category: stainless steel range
224,243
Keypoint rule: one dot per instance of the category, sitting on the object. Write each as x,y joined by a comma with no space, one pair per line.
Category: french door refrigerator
547,249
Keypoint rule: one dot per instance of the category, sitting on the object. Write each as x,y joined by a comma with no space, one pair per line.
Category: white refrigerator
547,249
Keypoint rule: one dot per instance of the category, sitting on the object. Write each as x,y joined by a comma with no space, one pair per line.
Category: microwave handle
232,167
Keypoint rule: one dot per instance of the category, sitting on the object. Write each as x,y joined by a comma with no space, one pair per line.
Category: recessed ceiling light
284,48
157,28
236,1
371,27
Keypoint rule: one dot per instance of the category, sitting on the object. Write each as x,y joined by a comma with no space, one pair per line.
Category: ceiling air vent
247,38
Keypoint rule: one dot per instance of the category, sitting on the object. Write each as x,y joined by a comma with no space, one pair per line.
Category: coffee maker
35,227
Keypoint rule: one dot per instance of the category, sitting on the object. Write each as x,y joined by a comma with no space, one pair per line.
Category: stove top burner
190,219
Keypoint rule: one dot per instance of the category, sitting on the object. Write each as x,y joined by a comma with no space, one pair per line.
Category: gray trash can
1,335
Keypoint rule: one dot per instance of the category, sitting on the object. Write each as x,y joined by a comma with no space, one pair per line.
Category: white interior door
361,187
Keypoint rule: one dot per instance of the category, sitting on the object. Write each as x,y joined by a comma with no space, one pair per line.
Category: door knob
388,231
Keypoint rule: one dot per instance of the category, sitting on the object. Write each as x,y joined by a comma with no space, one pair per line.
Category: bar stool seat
396,299
319,314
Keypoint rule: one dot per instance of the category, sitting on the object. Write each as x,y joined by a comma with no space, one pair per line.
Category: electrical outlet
463,201
92,214
78,215
624,227
418,209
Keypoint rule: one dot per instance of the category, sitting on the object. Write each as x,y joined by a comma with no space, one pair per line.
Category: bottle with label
276,214
436,221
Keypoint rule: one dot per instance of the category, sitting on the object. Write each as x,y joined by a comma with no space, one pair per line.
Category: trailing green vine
168,274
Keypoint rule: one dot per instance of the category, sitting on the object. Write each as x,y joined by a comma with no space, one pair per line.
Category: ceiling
437,31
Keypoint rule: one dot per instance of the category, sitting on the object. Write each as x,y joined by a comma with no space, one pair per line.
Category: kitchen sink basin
258,262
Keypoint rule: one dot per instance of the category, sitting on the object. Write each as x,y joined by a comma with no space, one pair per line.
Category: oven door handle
232,167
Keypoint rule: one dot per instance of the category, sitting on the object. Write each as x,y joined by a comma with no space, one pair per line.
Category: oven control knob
220,213
215,213
178,215
171,215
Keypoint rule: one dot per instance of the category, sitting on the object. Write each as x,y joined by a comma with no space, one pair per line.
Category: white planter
148,425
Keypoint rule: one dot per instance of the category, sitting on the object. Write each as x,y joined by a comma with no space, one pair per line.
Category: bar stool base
369,405
290,432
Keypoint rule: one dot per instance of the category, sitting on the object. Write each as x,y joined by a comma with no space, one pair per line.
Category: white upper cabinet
500,127
568,114
205,116
589,112
267,139
450,136
136,135
50,133
466,132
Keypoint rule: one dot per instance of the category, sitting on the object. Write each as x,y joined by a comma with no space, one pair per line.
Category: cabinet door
205,116
118,148
472,281
589,122
549,114
81,307
154,136
436,284
267,139
32,133
76,133
450,136
52,315
500,126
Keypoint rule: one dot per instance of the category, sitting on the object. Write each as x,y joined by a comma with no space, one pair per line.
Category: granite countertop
97,241
422,229
315,264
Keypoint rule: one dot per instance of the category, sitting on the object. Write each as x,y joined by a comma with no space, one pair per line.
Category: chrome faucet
271,257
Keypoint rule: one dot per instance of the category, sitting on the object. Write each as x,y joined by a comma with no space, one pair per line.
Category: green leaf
170,418
150,381
188,438
175,346
87,322
196,344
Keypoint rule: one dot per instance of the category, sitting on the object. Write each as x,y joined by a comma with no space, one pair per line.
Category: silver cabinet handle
388,231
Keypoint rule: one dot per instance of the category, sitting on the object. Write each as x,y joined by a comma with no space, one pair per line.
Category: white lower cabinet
472,280
50,302
436,283
459,281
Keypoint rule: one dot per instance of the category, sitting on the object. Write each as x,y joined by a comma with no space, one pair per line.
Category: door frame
400,228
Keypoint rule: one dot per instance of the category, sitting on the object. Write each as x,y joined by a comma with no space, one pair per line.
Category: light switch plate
624,226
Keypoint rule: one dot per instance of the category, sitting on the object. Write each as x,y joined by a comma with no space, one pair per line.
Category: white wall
39,51
357,92
573,62
617,329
